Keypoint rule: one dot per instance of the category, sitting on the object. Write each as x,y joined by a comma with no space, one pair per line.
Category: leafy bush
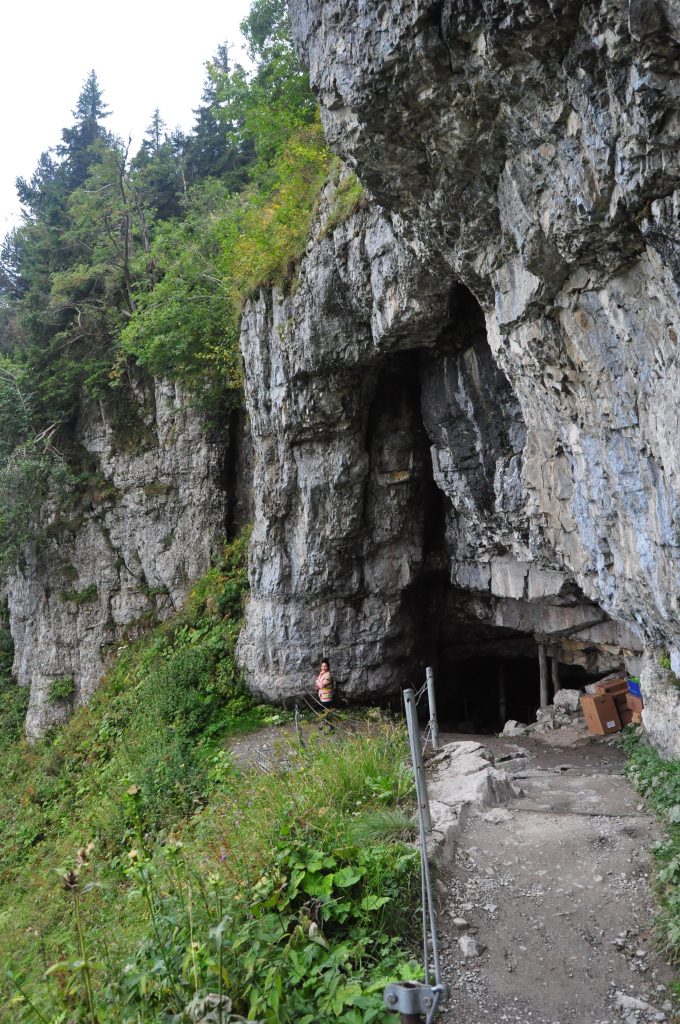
62,689
260,898
187,324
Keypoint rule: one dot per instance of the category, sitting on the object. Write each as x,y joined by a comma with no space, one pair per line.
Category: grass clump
62,689
349,196
146,876
84,596
659,783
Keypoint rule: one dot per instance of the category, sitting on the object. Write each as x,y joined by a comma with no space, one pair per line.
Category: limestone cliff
465,416
125,552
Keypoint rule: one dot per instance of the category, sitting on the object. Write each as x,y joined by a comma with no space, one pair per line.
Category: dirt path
555,885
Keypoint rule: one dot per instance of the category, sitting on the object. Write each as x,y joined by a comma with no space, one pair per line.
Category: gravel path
555,886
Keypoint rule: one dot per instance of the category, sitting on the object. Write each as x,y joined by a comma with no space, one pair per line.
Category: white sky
146,54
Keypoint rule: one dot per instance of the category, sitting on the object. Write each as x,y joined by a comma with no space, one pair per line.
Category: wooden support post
543,668
502,693
434,724
555,667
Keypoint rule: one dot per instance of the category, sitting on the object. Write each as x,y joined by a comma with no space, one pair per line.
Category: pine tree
158,168
215,149
155,132
77,144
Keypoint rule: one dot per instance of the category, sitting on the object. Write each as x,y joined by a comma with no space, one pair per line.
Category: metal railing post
413,1001
434,724
417,757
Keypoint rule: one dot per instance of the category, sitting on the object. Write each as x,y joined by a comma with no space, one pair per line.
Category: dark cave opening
442,418
480,694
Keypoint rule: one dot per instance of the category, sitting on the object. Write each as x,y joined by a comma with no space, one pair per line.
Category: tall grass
145,876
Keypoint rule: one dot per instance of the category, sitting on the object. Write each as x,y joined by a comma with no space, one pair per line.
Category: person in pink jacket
325,685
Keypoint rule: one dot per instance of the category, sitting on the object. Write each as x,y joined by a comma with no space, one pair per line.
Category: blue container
634,687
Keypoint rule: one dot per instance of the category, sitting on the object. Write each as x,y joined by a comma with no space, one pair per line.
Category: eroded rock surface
124,555
523,160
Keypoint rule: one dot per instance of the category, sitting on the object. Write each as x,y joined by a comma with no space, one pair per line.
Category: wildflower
70,880
83,855
133,855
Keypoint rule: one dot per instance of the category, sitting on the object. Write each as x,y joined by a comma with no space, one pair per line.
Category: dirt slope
555,884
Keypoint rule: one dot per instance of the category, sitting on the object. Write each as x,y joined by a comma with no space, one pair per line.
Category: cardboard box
614,686
618,688
626,716
637,717
601,713
634,703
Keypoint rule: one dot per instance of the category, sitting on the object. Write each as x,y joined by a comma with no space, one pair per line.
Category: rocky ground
553,888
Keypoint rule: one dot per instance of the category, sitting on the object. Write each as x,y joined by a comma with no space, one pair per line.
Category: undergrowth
145,876
659,783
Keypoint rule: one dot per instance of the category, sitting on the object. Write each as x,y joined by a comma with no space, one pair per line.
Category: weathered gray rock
513,728
525,155
661,694
568,700
388,448
126,553
462,779
470,947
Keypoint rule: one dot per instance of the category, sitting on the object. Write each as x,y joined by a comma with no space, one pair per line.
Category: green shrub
84,596
349,196
62,689
13,707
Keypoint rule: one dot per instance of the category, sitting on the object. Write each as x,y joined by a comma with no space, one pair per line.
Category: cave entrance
445,438
479,694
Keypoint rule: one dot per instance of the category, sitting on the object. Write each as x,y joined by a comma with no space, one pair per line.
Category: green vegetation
143,872
665,660
348,197
62,689
13,698
127,265
659,782
84,596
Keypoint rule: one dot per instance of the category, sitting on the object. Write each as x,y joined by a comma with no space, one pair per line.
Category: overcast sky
146,55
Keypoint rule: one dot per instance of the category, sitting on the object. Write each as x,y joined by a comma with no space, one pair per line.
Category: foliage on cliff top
186,324
272,898
147,258
659,782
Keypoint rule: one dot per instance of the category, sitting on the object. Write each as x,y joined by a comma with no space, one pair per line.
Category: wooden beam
543,669
555,667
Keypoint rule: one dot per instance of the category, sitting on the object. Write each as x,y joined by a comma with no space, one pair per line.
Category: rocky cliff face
124,555
465,418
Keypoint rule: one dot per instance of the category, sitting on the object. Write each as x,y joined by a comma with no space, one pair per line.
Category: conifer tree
77,144
159,168
215,149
